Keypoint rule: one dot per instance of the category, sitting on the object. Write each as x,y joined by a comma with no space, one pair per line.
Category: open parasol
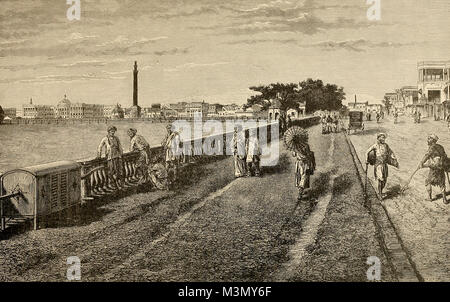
295,138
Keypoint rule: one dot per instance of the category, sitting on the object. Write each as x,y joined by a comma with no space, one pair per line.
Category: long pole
365,186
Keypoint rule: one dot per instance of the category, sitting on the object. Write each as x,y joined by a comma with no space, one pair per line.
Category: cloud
172,51
78,44
194,65
193,13
92,63
359,45
124,41
291,17
60,78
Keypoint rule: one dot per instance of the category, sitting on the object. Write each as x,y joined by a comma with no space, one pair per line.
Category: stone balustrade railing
96,182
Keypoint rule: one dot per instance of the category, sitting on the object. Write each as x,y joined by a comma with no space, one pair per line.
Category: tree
313,93
287,94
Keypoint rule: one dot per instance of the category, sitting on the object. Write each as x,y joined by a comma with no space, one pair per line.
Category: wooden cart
355,121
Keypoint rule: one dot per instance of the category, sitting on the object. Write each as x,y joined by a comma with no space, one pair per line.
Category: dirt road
216,228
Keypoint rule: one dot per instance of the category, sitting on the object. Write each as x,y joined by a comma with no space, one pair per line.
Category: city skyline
221,51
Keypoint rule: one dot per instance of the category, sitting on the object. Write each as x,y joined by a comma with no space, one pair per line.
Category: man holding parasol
296,140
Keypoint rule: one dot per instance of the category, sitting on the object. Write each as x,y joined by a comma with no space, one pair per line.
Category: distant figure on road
172,152
378,117
416,116
114,153
253,151
324,124
238,145
435,158
139,144
395,117
382,155
305,165
289,122
336,123
329,124
448,121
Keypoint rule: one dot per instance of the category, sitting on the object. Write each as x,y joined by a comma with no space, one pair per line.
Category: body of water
26,145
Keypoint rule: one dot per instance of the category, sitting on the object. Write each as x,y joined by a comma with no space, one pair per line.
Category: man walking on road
305,165
435,159
383,156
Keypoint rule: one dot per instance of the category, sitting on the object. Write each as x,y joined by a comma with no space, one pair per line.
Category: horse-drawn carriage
355,121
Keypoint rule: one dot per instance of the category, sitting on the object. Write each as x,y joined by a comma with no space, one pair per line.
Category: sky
191,50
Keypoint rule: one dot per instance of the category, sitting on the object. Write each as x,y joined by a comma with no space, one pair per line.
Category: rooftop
445,64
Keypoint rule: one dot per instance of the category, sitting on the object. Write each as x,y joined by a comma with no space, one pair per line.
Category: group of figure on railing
149,169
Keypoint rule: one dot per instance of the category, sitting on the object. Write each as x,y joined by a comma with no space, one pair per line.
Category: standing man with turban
113,152
172,152
238,147
139,144
383,156
434,159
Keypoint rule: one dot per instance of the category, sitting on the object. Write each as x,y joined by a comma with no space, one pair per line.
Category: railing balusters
98,181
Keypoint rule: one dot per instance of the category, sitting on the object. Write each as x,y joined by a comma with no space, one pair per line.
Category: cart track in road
310,229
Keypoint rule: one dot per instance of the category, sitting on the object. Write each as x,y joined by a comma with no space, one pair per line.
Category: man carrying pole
434,159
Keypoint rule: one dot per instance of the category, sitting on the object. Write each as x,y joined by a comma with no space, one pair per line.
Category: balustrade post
85,183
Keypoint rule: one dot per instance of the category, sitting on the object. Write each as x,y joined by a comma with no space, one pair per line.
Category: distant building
10,112
82,110
151,112
63,108
362,106
179,108
296,113
408,96
275,111
107,110
197,107
374,107
434,87
169,113
214,109
33,111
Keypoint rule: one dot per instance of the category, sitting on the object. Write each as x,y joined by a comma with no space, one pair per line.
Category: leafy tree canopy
313,93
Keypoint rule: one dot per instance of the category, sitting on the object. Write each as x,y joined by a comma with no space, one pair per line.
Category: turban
112,128
381,134
132,130
433,137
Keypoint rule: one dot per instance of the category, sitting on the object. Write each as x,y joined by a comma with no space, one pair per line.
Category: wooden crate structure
40,190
